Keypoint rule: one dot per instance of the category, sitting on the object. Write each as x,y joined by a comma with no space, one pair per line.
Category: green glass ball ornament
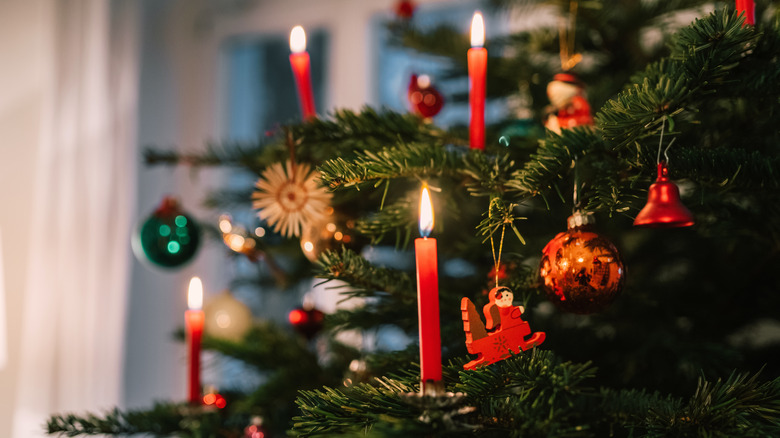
169,238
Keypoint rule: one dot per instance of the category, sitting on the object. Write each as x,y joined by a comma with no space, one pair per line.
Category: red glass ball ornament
307,322
424,99
404,9
255,429
581,269
214,399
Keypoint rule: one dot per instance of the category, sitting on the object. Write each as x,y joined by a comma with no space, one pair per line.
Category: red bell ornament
664,208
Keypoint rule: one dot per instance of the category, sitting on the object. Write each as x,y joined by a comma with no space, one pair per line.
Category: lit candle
301,68
477,57
428,299
194,320
749,8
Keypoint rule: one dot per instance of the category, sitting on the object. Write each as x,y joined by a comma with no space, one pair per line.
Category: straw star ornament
289,199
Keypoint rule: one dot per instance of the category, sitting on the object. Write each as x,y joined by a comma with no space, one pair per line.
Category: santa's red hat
569,78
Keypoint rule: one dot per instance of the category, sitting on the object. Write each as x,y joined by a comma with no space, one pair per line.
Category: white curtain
3,333
75,301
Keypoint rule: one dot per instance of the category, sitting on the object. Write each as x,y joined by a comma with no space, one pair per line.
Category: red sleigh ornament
504,332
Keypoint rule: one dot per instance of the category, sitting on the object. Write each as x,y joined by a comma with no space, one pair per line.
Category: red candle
477,57
428,299
194,320
749,8
301,68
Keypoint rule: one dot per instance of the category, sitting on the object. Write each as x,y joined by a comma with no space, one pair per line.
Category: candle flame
195,294
477,30
297,39
426,212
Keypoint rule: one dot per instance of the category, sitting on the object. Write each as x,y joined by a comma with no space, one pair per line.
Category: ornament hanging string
497,257
661,142
576,193
566,33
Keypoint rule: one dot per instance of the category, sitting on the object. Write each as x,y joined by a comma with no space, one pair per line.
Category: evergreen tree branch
345,132
702,58
397,218
417,160
364,279
162,420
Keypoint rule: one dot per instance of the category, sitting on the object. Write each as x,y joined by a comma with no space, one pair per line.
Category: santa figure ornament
569,106
504,332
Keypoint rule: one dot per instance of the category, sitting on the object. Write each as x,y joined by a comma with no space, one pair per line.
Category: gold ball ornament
581,269
335,230
226,317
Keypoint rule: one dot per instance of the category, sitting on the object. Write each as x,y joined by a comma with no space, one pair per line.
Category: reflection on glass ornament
169,237
582,270
226,317
336,230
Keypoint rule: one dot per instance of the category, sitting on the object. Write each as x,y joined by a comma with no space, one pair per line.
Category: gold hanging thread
497,259
566,33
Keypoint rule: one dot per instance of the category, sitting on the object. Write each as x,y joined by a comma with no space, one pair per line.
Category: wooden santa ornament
503,333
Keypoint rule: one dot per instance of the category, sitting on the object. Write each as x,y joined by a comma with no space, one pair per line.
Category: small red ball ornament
214,399
306,321
424,99
582,270
664,208
255,428
404,9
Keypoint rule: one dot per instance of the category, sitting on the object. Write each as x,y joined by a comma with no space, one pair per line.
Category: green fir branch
344,131
398,218
162,420
500,214
334,411
702,57
552,161
364,279
416,160
267,347
741,406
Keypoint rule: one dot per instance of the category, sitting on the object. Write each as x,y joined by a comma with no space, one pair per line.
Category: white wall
25,49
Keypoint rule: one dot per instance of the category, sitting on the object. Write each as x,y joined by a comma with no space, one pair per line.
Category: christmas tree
659,335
